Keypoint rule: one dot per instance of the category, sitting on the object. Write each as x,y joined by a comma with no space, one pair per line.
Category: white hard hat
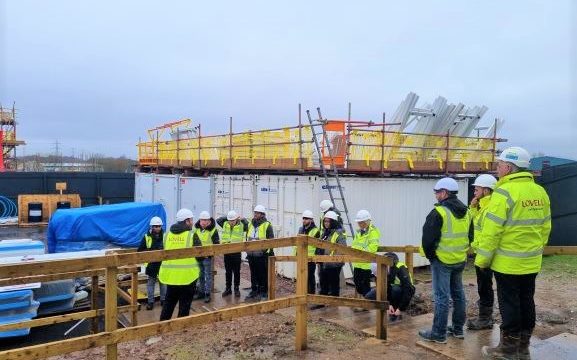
155,221
486,181
184,214
325,205
204,215
363,215
232,215
308,214
332,215
517,156
447,183
260,209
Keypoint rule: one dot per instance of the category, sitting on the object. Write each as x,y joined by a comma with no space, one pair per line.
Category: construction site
302,180
79,292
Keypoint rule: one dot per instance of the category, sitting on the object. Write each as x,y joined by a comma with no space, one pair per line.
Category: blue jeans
150,283
447,280
205,281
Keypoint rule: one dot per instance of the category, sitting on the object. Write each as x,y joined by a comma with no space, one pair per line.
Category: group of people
507,225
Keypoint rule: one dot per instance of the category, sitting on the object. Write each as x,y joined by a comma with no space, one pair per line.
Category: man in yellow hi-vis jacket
516,229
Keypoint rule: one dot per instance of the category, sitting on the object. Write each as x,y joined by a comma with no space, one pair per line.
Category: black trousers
311,278
258,273
362,279
485,287
330,281
515,294
232,267
181,294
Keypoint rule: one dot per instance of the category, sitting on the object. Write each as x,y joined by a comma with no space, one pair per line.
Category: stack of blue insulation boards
17,306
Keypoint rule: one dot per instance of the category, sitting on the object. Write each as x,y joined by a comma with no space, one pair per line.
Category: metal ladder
335,173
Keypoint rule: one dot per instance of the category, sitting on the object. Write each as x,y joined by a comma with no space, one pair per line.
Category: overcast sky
95,75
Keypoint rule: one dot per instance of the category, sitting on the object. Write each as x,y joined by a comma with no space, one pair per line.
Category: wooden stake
134,296
94,303
381,330
271,278
111,305
301,290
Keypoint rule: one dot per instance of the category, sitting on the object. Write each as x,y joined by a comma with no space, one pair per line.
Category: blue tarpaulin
101,227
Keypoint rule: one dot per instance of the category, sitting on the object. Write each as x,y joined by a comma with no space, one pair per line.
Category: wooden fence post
94,303
111,306
301,290
134,295
381,330
409,259
271,278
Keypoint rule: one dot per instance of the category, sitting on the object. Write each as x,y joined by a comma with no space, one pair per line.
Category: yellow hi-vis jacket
313,232
454,243
178,271
516,228
478,219
369,241
232,234
205,236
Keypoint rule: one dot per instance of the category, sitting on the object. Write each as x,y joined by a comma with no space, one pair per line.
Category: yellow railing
292,148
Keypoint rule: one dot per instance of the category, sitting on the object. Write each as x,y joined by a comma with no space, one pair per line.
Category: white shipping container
174,192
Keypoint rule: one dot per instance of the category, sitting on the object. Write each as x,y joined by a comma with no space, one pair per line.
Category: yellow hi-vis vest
178,271
454,242
205,236
148,242
399,265
369,242
258,234
517,226
232,234
310,249
478,220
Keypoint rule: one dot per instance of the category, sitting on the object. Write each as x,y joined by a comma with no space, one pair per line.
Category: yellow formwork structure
292,147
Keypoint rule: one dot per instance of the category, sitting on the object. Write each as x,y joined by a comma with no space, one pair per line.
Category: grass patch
559,264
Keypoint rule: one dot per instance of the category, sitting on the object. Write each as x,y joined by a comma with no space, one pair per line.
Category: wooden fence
112,264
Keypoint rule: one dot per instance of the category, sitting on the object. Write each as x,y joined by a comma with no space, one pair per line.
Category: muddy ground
271,336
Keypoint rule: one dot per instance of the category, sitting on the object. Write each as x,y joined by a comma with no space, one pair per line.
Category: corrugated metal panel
560,182
233,192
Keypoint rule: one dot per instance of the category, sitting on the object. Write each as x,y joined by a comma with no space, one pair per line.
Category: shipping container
174,192
398,205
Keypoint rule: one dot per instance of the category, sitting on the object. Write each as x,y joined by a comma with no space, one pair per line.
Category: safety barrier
113,263
354,149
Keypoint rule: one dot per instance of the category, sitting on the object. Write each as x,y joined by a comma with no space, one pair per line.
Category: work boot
226,292
428,335
506,350
252,295
207,298
483,321
149,306
455,332
524,341
236,292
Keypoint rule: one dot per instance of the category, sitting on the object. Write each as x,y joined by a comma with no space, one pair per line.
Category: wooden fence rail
113,263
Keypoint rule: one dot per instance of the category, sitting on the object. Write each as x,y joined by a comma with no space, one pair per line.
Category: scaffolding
359,148
8,140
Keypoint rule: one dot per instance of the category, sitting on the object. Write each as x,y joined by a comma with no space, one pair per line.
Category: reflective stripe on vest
366,242
517,226
178,271
232,234
205,236
454,242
